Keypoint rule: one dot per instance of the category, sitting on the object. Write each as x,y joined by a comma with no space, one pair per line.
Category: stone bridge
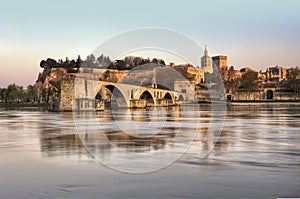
85,94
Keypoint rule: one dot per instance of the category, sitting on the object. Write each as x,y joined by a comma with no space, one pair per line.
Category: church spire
205,51
206,62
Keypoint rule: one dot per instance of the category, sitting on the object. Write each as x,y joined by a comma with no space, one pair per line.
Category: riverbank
262,101
248,102
233,102
24,105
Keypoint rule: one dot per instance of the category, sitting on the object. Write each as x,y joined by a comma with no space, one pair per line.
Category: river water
241,150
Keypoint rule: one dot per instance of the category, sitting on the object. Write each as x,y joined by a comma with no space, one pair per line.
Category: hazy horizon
251,33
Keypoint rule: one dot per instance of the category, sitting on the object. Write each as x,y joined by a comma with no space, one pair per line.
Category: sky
253,33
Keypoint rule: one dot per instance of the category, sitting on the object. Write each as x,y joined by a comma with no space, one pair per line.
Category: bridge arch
180,98
115,95
169,97
146,95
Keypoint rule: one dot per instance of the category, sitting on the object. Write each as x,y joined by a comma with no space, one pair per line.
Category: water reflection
251,132
53,144
54,140
256,153
58,138
135,144
100,136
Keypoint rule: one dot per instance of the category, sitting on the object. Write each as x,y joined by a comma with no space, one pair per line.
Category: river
229,150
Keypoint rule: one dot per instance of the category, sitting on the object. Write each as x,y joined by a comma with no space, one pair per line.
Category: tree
224,73
38,87
92,58
43,64
15,93
293,81
231,81
89,62
30,94
293,73
155,60
106,62
103,61
49,63
162,62
3,97
11,93
137,61
121,65
249,80
231,74
78,62
129,61
112,66
20,94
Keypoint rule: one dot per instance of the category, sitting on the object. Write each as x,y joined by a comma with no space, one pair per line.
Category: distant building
191,73
233,74
276,74
206,63
220,62
261,76
185,88
293,73
138,77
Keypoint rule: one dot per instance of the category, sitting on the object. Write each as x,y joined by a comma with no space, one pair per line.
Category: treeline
14,94
102,61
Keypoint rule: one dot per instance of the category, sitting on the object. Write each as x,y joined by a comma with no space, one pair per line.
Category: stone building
139,77
206,62
276,74
293,73
220,62
186,88
270,91
191,73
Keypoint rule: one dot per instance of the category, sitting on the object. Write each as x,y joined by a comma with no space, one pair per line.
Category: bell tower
206,63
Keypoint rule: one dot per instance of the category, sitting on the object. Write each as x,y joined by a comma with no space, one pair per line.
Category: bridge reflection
102,138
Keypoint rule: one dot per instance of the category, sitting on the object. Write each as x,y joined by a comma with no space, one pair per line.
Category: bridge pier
164,102
84,104
137,103
100,105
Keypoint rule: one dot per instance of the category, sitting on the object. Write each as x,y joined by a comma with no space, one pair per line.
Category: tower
206,63
205,51
220,62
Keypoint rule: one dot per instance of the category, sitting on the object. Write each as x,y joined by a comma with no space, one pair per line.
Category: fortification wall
263,94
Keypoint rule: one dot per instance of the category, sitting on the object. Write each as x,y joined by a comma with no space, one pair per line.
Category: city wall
263,94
